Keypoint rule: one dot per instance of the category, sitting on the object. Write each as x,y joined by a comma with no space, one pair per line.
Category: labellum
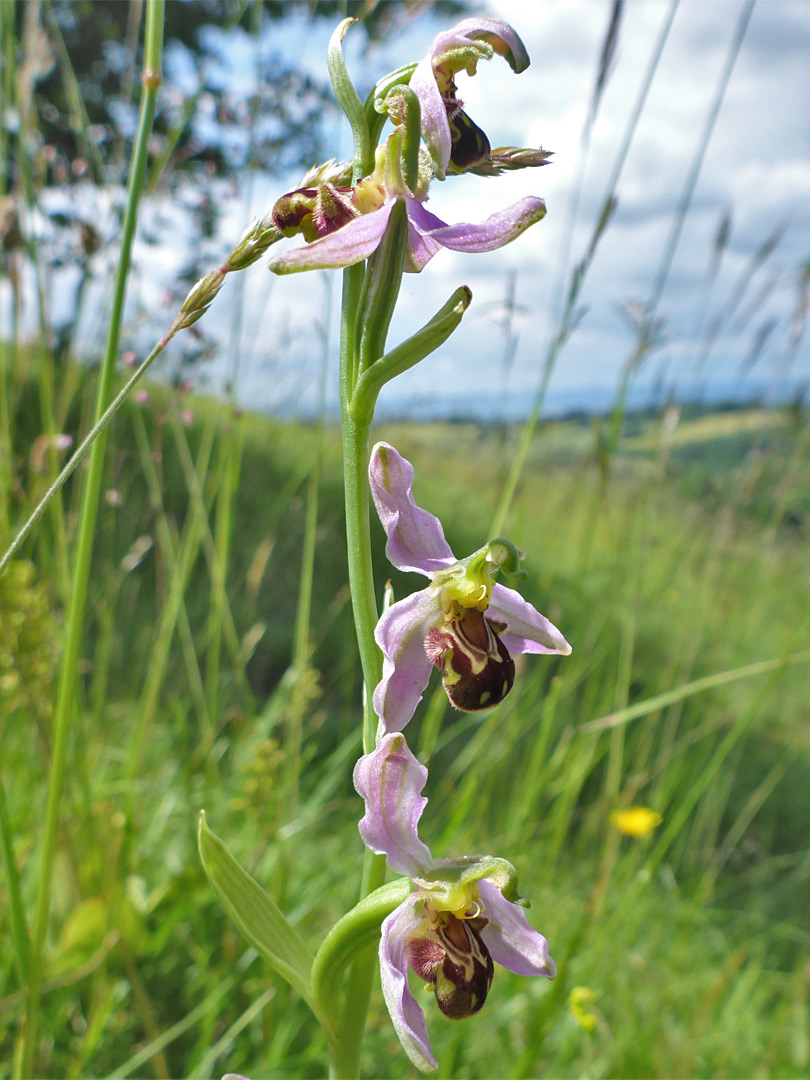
477,670
453,960
470,145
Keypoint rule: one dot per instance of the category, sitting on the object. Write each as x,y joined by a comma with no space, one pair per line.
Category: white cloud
757,166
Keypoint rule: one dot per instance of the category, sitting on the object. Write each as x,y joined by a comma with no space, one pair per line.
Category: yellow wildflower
579,1002
636,820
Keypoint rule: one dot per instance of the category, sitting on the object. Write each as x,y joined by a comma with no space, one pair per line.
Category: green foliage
29,643
692,942
255,914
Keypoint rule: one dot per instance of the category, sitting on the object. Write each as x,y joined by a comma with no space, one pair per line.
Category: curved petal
415,537
390,780
527,631
499,34
511,941
421,248
346,246
407,1017
434,123
497,230
400,633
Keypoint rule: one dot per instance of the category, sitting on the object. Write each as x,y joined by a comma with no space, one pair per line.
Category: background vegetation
218,670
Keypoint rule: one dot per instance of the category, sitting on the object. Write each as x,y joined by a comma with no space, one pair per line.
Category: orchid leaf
256,915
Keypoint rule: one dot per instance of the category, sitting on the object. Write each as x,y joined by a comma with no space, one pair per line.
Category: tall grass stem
647,332
65,702
578,275
19,928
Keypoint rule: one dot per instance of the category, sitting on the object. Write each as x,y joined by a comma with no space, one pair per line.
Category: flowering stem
356,424
82,450
355,465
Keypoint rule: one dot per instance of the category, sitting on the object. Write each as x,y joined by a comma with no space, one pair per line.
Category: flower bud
254,242
509,159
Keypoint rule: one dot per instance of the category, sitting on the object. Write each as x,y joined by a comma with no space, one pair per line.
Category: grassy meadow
682,953
176,635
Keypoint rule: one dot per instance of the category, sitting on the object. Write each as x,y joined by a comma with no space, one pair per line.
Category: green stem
89,510
361,581
355,429
345,1050
356,424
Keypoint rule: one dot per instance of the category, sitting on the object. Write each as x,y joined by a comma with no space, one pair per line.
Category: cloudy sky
756,171
756,175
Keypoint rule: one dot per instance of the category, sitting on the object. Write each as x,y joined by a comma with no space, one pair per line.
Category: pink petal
510,939
390,780
527,631
421,247
507,43
415,538
435,127
401,633
497,230
421,250
406,1015
347,246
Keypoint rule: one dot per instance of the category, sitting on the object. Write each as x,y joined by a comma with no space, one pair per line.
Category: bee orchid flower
455,143
345,226
463,915
463,622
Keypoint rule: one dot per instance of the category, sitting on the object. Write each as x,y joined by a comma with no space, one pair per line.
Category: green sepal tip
349,101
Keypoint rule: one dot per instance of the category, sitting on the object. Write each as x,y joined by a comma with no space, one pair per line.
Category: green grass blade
698,686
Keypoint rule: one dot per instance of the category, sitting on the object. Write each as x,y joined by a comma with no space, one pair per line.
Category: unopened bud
509,159
255,241
337,173
199,299
204,291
